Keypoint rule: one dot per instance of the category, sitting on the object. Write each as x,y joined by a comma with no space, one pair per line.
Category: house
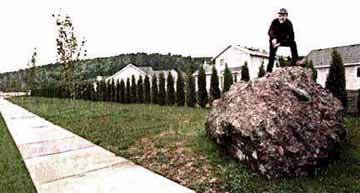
235,57
321,59
130,70
350,54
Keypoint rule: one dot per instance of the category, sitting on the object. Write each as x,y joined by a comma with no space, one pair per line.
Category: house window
222,61
235,77
358,72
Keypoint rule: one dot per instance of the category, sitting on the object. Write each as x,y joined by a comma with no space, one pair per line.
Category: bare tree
31,73
69,49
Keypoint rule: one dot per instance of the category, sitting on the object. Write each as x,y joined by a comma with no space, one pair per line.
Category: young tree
133,90
335,81
202,92
122,92
261,70
180,94
98,91
103,90
140,90
31,73
147,94
245,76
154,90
190,90
214,85
162,91
170,89
107,90
112,91
118,91
69,49
309,64
128,91
90,91
14,85
228,79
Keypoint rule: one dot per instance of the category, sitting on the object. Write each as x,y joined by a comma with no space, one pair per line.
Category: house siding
352,81
352,85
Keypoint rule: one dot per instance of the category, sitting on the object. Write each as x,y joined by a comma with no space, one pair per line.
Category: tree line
159,90
89,69
147,89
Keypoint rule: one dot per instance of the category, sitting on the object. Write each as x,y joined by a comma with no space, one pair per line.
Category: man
281,33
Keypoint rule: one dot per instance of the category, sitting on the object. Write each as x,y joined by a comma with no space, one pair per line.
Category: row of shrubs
155,90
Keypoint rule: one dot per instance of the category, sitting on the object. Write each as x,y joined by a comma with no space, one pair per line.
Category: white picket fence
13,94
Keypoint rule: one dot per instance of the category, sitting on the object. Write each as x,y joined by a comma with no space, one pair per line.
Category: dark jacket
283,32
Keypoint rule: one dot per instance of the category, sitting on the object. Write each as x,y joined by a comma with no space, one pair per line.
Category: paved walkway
61,162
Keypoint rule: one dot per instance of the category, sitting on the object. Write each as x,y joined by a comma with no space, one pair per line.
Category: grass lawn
14,177
172,141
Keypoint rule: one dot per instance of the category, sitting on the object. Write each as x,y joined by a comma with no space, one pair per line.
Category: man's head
282,15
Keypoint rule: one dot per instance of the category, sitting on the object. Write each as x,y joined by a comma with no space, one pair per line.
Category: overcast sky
187,27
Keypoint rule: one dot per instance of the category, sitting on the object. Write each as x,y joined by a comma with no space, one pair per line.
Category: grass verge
14,177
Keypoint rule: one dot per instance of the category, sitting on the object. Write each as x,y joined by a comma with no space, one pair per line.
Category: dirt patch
178,163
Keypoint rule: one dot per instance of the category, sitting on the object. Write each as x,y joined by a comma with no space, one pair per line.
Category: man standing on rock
281,33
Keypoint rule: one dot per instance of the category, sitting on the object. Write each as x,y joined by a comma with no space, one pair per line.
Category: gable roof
147,70
126,67
251,51
322,57
221,52
144,70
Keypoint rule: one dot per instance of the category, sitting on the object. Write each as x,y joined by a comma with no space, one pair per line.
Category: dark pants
294,53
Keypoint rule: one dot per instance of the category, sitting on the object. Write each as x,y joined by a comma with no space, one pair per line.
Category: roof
128,66
322,57
208,70
221,53
145,70
251,51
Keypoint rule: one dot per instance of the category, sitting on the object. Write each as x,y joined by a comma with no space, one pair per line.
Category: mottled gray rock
281,125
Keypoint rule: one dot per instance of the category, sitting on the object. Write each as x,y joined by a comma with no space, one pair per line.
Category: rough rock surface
281,125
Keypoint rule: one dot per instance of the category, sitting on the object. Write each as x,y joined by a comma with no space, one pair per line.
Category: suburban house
131,69
235,57
350,54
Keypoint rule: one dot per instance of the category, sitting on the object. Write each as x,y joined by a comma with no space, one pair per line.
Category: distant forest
89,69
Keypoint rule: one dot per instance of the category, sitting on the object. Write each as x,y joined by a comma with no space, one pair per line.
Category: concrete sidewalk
61,162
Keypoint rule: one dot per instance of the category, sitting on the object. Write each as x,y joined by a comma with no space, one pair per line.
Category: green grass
172,141
14,178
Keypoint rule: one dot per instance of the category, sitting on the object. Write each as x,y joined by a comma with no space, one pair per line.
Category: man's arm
291,32
271,31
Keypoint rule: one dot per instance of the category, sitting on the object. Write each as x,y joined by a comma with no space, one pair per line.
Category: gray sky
187,27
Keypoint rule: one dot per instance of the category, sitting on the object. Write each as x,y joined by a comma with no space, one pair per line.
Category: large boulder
281,125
